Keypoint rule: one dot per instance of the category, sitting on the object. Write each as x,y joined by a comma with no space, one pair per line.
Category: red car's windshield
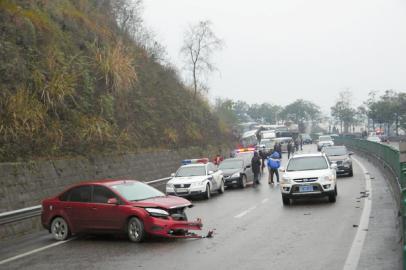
136,191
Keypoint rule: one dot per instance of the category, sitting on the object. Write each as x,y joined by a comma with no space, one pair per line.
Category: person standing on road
256,167
301,142
274,162
278,148
297,142
263,155
290,148
218,159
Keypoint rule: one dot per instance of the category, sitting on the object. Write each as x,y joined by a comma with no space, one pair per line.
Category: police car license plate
306,188
181,190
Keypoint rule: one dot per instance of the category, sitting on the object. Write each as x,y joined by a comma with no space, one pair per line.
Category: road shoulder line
354,255
34,251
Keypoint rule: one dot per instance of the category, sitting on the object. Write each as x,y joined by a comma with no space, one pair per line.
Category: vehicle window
65,196
102,194
191,171
80,194
324,138
247,156
231,164
335,151
211,167
270,144
307,163
136,191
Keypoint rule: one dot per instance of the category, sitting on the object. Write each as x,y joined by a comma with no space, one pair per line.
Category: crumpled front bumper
171,228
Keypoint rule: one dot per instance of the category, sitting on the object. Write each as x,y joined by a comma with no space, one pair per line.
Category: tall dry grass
23,115
116,67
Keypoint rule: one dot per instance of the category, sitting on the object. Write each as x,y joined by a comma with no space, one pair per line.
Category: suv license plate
306,188
181,190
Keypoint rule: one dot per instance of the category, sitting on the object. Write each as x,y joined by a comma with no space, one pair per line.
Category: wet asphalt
253,230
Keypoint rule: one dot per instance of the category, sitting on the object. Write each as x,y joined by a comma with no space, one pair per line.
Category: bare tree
343,110
199,44
128,15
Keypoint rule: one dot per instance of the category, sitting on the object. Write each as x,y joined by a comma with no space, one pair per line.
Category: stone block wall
27,184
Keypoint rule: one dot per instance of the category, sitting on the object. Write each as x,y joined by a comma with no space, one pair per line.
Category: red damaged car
117,206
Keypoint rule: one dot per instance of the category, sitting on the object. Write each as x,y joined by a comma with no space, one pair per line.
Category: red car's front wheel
135,230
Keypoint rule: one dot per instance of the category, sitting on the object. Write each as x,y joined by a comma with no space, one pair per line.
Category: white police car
196,177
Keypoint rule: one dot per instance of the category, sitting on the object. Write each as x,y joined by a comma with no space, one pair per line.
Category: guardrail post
402,179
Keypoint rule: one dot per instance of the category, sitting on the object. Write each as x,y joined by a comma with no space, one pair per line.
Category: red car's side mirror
112,201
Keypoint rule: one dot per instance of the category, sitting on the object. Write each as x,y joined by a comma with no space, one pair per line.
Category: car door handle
94,208
68,207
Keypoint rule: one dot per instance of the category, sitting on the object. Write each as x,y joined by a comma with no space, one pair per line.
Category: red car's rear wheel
60,229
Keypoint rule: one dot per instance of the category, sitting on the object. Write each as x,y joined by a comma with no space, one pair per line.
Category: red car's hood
166,202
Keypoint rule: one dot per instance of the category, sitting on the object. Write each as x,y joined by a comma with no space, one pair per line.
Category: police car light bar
249,149
195,161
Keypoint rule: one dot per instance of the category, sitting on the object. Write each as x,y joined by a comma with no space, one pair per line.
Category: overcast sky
280,50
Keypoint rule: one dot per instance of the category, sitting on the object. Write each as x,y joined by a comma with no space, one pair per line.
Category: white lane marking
243,213
265,200
34,251
354,255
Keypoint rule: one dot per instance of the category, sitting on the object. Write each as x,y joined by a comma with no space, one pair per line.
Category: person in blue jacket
274,162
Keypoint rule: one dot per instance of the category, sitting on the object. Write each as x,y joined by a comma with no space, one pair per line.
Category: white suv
197,177
309,175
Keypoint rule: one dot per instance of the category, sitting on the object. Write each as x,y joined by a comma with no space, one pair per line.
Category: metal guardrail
21,214
34,211
395,160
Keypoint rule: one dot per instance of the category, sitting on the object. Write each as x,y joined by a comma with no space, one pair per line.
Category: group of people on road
271,159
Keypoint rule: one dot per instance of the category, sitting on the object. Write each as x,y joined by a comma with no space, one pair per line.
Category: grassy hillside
73,82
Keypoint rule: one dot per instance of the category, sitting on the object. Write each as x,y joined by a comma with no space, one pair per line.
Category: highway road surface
253,230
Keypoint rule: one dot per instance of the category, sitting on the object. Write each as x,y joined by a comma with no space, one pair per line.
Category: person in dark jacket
274,162
263,155
278,148
256,167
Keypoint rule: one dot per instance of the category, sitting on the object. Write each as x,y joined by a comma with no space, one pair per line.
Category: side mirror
173,174
112,201
211,172
350,153
334,166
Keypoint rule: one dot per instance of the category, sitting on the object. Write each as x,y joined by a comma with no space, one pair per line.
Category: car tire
285,200
135,230
243,181
207,193
333,197
60,229
351,173
221,189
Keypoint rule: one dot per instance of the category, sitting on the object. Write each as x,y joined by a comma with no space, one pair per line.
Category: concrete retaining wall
26,184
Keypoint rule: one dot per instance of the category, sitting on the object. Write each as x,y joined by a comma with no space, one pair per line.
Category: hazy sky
281,50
